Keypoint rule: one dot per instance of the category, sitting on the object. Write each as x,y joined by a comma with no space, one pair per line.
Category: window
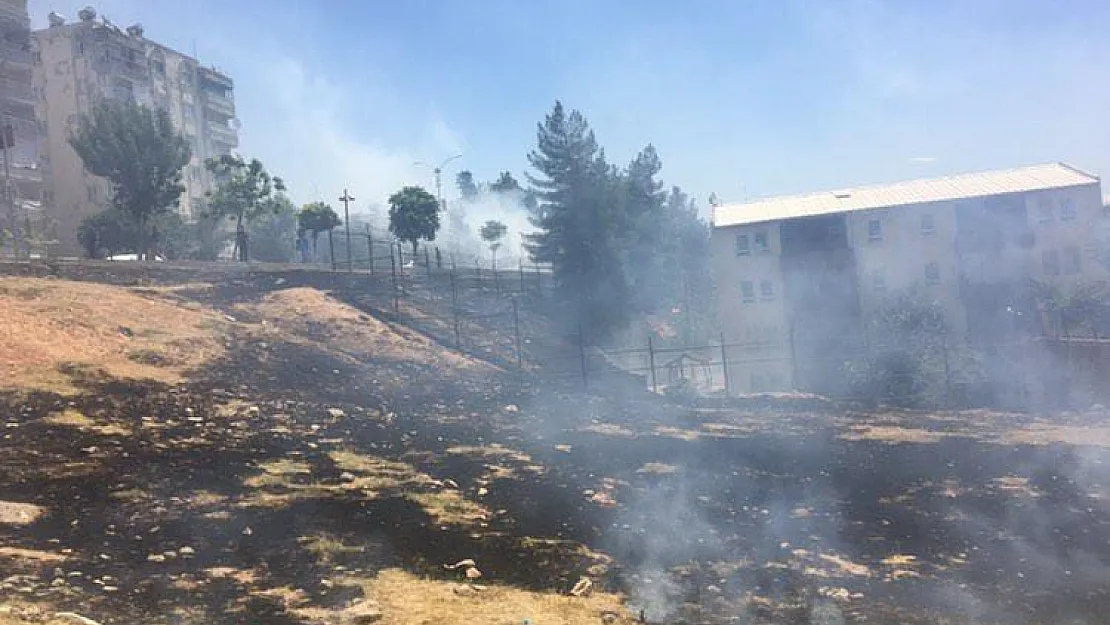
761,244
747,291
766,289
188,111
878,282
1067,210
932,273
1072,262
1050,260
874,230
1044,211
743,247
928,226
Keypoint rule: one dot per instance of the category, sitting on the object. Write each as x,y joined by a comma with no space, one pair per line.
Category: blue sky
741,98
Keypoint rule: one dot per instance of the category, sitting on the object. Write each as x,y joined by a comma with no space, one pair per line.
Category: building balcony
223,134
220,104
134,70
17,91
214,76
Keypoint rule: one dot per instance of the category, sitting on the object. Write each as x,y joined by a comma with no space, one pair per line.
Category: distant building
799,276
82,62
17,107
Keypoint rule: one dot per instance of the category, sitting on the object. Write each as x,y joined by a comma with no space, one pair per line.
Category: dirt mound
56,330
313,315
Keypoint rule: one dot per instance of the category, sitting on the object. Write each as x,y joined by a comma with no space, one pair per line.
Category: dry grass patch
311,314
52,326
328,548
408,600
77,420
892,434
449,507
657,468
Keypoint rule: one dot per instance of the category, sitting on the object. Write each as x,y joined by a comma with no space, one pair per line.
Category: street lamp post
347,199
438,170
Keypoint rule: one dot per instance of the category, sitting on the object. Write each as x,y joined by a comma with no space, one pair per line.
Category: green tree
413,215
138,151
106,234
650,248
505,183
318,217
579,217
244,189
468,189
492,232
273,233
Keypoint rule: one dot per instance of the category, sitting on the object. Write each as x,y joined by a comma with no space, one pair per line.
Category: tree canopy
317,217
138,151
413,215
619,245
244,189
468,189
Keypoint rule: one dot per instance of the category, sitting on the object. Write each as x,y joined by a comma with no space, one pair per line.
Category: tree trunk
414,242
142,242
315,253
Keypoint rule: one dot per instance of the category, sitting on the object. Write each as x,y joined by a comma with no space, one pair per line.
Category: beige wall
1084,232
760,356
899,261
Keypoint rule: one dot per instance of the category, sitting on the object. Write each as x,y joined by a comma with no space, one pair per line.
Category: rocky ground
281,455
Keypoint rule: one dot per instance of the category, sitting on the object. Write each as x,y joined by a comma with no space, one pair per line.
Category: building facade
22,182
80,63
799,277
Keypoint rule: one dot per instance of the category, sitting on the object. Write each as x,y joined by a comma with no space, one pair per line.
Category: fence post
582,355
651,363
455,309
724,365
331,249
393,271
522,276
794,359
516,333
947,371
428,260
370,247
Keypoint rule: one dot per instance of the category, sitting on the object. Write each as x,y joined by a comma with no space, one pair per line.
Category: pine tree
579,214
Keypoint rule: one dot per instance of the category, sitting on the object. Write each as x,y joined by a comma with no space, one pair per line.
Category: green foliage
317,217
468,189
1075,310
620,246
910,361
505,183
273,234
138,151
107,233
413,215
244,189
493,231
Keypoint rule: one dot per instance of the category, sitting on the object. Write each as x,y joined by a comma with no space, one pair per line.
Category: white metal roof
1018,180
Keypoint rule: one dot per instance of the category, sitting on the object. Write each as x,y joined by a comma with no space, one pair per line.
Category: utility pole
347,199
438,170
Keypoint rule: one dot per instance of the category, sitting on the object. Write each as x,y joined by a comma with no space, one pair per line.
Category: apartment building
799,276
21,186
80,63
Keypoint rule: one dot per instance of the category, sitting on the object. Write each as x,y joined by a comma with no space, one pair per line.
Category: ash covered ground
315,459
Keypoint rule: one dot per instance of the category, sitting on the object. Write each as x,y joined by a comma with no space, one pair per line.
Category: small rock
156,557
247,531
512,408
609,617
111,588
187,551
73,617
254,411
336,413
473,573
347,476
483,491
363,613
460,564
451,484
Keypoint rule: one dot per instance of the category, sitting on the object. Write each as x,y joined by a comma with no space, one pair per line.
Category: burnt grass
742,515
